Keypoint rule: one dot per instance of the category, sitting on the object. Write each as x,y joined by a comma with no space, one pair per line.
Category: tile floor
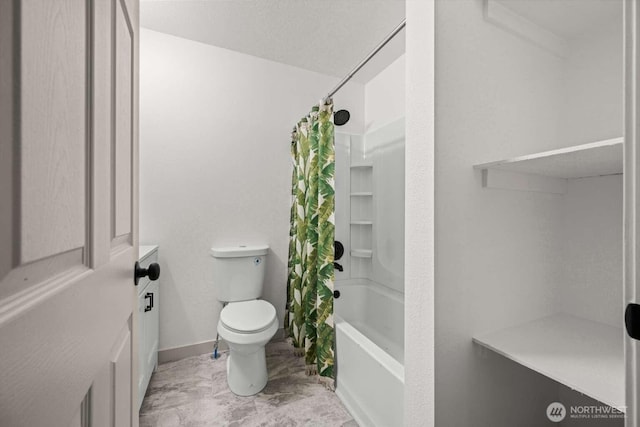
193,392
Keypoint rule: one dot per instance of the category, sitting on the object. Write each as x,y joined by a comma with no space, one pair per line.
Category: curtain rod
362,63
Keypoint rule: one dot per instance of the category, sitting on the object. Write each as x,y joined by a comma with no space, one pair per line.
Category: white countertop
144,250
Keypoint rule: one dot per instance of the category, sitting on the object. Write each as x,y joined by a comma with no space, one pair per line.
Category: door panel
123,104
101,409
121,361
66,286
6,137
102,131
51,352
53,98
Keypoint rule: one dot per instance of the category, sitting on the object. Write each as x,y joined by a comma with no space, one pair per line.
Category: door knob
153,272
632,320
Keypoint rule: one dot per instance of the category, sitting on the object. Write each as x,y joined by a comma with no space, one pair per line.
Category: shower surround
369,313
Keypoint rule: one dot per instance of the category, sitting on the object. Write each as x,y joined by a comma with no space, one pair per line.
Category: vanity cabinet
148,320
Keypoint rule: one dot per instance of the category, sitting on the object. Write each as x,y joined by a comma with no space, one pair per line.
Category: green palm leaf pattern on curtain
309,317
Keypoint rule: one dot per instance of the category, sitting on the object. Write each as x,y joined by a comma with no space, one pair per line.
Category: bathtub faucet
338,250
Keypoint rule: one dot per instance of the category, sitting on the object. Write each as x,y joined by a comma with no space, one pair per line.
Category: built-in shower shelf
361,222
362,194
362,253
361,165
548,171
584,355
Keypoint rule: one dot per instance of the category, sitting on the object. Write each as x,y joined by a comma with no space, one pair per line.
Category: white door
632,207
68,212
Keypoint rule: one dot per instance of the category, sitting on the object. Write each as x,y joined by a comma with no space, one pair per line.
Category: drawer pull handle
150,306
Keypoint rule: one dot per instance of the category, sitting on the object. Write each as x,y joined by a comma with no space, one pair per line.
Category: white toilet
246,322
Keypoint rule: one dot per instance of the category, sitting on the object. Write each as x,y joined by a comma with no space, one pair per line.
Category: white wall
384,95
419,393
592,231
592,254
215,167
497,96
593,86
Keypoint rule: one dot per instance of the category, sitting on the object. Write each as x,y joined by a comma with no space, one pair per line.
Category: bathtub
370,352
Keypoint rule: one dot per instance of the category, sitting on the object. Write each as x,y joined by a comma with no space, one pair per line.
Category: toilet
246,323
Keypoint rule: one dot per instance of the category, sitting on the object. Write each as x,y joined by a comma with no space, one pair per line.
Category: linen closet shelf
584,355
548,171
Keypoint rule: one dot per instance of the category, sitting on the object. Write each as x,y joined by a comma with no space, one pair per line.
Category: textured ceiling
326,36
568,18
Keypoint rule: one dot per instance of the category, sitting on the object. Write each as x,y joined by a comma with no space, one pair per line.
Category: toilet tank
238,271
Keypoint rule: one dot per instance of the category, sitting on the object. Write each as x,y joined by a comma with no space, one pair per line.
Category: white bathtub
370,352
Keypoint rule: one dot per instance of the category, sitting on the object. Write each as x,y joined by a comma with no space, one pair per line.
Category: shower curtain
309,317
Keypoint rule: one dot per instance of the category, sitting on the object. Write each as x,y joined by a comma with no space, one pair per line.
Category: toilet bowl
247,326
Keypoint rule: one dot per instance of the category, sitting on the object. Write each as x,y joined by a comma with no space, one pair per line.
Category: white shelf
584,355
362,253
581,161
363,222
362,194
361,165
549,170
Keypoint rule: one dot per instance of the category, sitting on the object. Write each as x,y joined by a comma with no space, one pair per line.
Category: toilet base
247,373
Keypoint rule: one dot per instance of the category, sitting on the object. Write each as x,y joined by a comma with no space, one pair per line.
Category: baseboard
176,353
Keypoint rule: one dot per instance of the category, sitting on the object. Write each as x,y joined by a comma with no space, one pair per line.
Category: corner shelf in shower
362,253
362,222
584,355
362,194
548,171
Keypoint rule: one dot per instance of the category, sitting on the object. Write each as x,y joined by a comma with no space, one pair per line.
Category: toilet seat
248,317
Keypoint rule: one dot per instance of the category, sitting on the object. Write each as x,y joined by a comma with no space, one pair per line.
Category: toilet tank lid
238,251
